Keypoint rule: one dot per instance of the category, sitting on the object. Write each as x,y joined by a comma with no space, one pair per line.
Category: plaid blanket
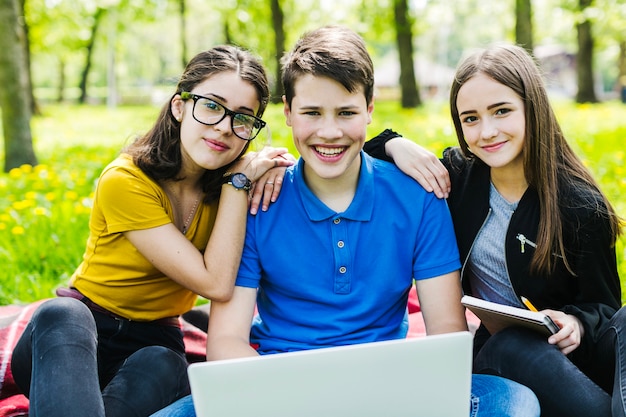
13,320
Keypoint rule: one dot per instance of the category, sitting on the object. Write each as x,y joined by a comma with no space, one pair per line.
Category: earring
178,119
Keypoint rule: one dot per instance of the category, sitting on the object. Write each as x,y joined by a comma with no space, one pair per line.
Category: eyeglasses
209,112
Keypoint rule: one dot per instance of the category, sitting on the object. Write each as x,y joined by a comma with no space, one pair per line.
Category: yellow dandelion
50,196
3,226
18,230
23,204
15,173
31,195
41,211
5,217
26,168
71,195
81,209
42,171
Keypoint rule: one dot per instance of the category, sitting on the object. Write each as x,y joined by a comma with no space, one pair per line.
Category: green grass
44,210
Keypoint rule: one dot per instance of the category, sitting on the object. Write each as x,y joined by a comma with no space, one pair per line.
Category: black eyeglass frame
259,123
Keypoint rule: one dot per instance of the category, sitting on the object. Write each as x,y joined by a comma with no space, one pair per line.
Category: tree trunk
524,24
278,19
85,74
14,98
34,108
183,38
621,80
584,59
622,60
404,39
61,85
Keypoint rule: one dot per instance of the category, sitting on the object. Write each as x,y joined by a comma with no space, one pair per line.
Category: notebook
417,377
496,317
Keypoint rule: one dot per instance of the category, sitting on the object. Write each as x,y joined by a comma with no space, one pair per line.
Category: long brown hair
158,152
549,161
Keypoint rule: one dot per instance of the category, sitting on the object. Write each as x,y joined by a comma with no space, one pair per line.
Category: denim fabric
65,357
498,397
491,397
181,408
558,381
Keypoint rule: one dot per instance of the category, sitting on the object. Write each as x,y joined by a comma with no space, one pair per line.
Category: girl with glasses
167,225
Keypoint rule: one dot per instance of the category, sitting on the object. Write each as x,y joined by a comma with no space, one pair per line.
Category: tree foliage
151,39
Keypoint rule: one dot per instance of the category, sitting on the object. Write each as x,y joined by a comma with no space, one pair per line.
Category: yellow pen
528,304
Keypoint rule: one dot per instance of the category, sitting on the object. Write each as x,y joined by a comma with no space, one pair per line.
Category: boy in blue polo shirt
332,260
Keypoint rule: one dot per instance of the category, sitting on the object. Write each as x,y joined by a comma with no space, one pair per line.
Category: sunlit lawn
44,210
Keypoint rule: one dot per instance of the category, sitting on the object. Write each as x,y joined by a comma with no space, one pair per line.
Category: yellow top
113,273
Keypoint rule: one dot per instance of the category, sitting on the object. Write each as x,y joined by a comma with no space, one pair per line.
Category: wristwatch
238,180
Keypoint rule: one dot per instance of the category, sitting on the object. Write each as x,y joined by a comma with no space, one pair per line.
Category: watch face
239,180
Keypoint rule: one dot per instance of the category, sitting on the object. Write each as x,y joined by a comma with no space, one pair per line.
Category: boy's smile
329,127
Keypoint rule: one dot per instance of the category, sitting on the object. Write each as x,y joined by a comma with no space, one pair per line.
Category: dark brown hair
158,152
549,161
335,52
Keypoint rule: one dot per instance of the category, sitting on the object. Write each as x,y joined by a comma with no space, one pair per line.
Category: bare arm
212,274
229,326
440,301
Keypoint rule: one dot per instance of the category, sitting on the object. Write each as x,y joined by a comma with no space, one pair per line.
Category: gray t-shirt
489,278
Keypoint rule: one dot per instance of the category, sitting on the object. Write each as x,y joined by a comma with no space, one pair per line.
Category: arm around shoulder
417,162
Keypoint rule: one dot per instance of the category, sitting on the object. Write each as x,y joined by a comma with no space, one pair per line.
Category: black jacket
593,294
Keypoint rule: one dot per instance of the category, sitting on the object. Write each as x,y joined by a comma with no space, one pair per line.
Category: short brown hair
335,52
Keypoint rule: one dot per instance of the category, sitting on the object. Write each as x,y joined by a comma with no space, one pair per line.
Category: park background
93,74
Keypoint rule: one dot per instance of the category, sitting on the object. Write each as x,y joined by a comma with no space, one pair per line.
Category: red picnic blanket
13,320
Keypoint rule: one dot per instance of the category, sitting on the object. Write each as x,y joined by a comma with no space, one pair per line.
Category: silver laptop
417,377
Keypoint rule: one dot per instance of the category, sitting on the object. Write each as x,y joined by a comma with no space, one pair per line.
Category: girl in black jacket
530,222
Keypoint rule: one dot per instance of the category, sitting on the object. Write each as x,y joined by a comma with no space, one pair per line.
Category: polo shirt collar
362,204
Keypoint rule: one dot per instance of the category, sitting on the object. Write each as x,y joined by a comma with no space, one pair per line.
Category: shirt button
340,244
343,269
337,221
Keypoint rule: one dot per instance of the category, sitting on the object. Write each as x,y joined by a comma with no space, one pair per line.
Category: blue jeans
585,383
491,397
72,362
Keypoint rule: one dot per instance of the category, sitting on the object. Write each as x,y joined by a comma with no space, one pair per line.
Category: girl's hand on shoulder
266,189
254,164
572,331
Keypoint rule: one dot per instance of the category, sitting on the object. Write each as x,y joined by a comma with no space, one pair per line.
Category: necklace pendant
192,213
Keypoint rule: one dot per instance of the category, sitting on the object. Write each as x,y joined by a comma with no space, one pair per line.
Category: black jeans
561,386
71,361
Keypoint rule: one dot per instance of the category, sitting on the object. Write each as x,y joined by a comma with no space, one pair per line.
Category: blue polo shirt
327,279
